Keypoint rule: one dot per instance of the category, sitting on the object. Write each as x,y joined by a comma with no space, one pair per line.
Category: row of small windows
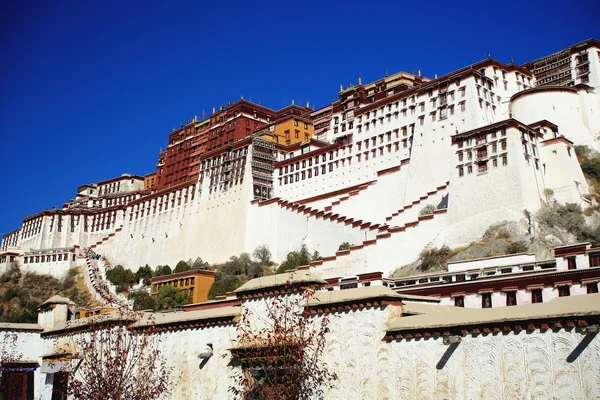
480,152
161,201
481,138
310,172
183,282
47,258
224,157
443,96
536,296
30,228
482,166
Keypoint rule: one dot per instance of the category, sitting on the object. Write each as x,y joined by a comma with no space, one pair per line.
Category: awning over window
52,367
20,366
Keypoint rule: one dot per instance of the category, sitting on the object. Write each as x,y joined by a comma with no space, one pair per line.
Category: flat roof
364,293
10,326
278,280
561,307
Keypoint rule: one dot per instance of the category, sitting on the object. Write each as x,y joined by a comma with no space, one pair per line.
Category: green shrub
591,168
295,259
582,151
344,246
427,210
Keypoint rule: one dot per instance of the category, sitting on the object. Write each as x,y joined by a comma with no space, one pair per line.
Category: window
511,298
504,161
486,300
594,260
444,113
564,291
571,263
459,301
469,169
536,296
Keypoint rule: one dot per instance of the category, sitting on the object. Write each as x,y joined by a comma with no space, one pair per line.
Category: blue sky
90,90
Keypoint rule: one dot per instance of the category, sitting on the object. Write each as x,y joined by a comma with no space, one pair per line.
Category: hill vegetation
21,294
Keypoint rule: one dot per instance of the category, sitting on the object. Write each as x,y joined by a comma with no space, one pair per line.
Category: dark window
486,300
536,296
511,298
571,263
459,301
595,260
564,291
592,287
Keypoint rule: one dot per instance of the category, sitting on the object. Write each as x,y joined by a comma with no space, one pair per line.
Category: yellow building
289,129
149,181
196,282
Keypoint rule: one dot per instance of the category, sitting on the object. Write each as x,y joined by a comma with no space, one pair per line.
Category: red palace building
180,162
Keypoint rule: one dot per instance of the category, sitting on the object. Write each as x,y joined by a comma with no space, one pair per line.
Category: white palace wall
576,115
211,226
528,363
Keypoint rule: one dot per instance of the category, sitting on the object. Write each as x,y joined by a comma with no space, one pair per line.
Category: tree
591,168
242,265
200,264
223,284
162,270
181,266
282,359
116,363
144,273
295,259
142,300
263,255
122,278
171,297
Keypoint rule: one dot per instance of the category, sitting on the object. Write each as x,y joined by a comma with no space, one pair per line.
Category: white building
480,145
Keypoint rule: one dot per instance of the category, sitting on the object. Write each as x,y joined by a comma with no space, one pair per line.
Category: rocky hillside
22,294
